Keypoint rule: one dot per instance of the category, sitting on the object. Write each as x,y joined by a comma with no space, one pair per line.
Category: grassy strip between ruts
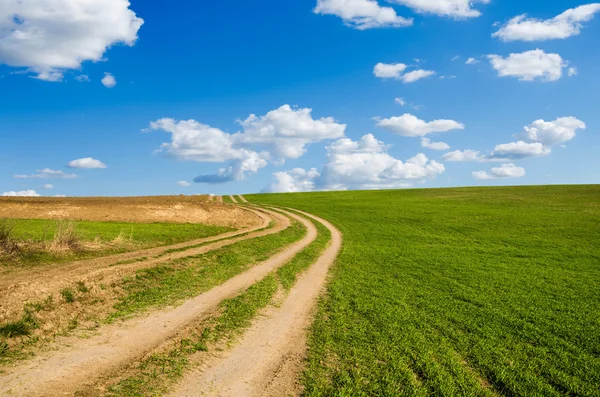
187,277
92,239
155,374
227,200
458,292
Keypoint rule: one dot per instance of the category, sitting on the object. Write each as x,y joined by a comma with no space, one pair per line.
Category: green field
114,237
458,292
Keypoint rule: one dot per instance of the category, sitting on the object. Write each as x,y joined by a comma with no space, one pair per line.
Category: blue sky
219,62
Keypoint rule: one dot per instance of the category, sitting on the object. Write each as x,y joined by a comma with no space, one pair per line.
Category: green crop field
458,292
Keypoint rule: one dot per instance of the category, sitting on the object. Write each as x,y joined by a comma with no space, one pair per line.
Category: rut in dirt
269,358
80,364
36,284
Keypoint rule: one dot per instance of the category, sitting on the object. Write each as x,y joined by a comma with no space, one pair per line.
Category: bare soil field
175,209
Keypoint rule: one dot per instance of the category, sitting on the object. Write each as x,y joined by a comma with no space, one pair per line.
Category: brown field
176,209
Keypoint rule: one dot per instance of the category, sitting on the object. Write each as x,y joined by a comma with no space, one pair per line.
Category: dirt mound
175,209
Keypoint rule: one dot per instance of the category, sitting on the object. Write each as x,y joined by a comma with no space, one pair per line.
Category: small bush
14,329
8,245
81,287
68,295
65,238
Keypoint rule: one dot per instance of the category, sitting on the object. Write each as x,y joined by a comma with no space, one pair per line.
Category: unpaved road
82,363
242,198
35,284
233,199
269,357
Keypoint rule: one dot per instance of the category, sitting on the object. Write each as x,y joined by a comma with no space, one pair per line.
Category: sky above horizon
119,98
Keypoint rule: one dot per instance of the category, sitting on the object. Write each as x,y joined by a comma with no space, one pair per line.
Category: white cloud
530,65
109,80
572,72
184,184
363,164
396,71
47,173
283,133
362,14
400,101
505,171
538,140
411,126
296,180
87,163
458,9
471,61
23,193
286,132
82,78
49,37
555,132
416,75
426,143
48,186
565,25
520,149
463,155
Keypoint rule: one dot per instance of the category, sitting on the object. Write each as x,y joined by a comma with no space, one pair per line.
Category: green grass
458,292
190,276
155,374
227,200
29,232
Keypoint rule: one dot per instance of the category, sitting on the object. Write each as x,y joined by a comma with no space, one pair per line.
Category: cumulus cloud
463,155
47,173
48,186
426,143
520,149
530,65
538,139
471,61
87,163
296,180
109,80
555,132
505,171
23,193
572,72
363,164
396,71
565,25
400,101
286,132
362,14
48,37
281,134
183,184
458,9
411,126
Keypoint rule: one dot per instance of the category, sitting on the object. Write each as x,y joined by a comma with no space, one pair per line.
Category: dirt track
233,199
32,285
269,357
80,364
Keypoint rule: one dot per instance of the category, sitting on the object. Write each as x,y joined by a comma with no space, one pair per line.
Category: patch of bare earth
176,209
270,356
78,365
101,280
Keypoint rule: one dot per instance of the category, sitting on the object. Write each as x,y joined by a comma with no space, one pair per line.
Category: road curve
85,362
270,355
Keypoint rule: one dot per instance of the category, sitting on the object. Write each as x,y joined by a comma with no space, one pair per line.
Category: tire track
84,363
242,198
18,289
270,355
233,199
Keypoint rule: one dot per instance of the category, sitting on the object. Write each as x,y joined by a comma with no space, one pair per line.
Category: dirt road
233,199
267,360
32,285
242,198
80,364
